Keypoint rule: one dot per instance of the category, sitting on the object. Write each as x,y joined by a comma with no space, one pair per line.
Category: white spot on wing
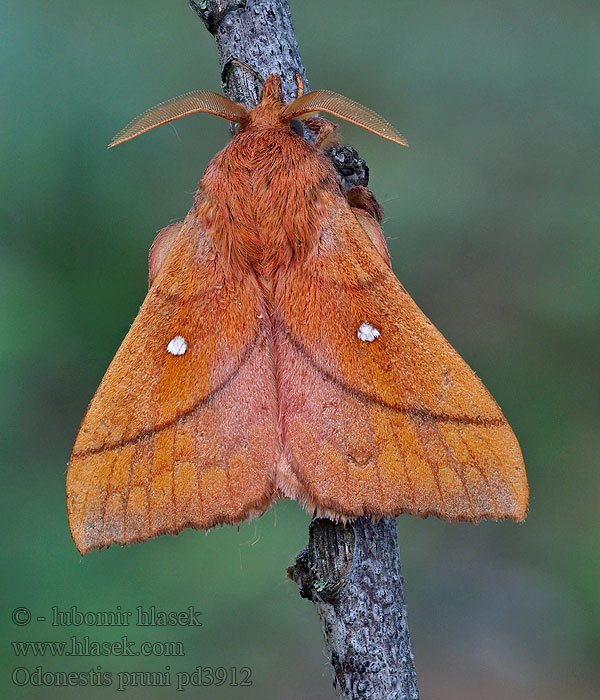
177,346
367,332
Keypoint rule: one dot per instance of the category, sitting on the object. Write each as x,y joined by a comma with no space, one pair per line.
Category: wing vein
173,498
435,472
409,482
452,461
413,496
107,492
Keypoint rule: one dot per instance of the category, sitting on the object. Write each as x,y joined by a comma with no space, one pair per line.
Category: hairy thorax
265,198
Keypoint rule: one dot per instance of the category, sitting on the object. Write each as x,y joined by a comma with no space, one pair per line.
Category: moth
277,355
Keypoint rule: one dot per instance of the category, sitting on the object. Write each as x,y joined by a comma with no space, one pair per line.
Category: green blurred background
492,220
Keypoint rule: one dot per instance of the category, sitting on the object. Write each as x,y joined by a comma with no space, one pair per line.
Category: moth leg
360,197
325,130
374,232
160,248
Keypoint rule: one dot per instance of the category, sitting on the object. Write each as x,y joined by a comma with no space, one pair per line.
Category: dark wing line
150,432
411,411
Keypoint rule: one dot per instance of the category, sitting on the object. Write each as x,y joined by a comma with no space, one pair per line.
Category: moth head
268,111
272,107
271,92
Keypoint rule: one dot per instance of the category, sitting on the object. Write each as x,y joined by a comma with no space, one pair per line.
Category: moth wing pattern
380,414
182,431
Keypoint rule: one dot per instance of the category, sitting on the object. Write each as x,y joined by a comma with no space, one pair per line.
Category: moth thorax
266,197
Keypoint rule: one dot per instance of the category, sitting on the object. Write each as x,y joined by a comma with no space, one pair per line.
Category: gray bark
351,572
255,38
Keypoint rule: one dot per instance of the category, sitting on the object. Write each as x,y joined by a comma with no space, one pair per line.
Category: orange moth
277,355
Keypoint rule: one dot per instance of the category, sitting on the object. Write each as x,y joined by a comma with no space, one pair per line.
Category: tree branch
351,572
255,38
